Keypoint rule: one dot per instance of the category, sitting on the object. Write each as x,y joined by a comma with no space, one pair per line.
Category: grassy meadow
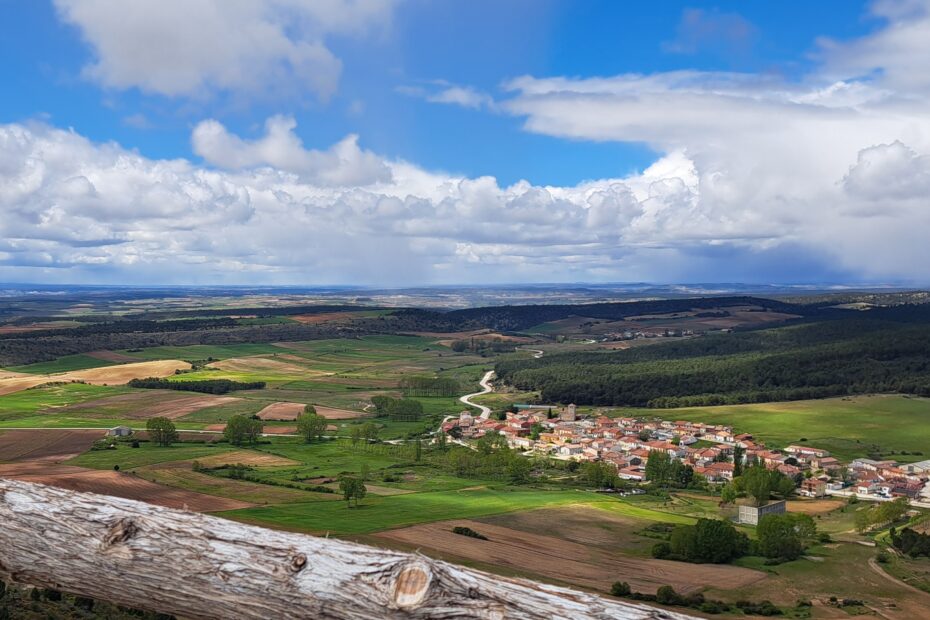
849,427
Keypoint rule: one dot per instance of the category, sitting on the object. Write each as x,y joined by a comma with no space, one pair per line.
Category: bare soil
815,506
119,484
555,558
281,411
112,356
252,458
45,445
147,404
332,413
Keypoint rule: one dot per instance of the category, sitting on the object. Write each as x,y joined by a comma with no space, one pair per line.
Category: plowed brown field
145,404
281,411
45,445
118,484
332,413
566,561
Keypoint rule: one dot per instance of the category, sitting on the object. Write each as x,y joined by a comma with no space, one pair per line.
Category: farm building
750,515
120,431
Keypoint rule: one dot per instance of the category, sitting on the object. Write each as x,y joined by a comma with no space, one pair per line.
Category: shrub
467,531
666,595
661,550
620,588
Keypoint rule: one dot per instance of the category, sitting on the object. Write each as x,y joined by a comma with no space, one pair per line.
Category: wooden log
198,566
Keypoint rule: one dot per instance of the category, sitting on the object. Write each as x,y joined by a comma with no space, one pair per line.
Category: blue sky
481,43
564,95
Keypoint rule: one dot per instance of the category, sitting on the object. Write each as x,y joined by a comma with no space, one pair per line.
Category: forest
517,318
811,360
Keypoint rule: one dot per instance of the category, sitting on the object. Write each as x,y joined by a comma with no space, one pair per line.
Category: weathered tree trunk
198,566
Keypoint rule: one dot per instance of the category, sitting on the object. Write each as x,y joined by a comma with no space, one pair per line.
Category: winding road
486,386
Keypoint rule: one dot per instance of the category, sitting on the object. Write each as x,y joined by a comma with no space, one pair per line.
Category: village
626,443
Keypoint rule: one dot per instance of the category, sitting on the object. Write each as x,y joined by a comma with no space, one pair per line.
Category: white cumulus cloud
198,47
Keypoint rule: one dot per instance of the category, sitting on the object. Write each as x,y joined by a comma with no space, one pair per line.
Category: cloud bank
758,179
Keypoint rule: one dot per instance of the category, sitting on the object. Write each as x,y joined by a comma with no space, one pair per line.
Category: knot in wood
411,585
120,532
297,563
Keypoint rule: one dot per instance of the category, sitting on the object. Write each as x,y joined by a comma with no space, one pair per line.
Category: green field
17,407
379,513
200,352
849,427
147,454
63,364
340,373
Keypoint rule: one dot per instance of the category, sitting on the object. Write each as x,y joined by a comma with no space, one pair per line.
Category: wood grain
197,566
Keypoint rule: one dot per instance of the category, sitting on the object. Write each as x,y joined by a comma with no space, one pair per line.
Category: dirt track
567,561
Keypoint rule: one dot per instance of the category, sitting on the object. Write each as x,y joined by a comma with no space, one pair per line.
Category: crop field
380,513
339,377
281,411
547,550
179,475
104,375
119,484
44,445
144,404
63,364
850,427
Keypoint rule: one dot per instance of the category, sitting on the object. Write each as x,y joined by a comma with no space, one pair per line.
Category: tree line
206,386
398,409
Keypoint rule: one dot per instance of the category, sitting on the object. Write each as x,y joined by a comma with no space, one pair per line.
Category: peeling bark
197,566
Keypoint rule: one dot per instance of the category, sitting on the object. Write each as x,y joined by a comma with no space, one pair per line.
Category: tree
535,430
728,494
778,537
738,453
242,429
417,450
680,475
709,540
759,483
162,431
491,441
519,469
310,424
659,467
352,489
442,442
370,432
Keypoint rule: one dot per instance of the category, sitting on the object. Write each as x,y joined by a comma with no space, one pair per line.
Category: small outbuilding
750,515
120,431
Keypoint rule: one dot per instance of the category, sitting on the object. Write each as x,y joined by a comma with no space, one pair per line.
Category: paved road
486,389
